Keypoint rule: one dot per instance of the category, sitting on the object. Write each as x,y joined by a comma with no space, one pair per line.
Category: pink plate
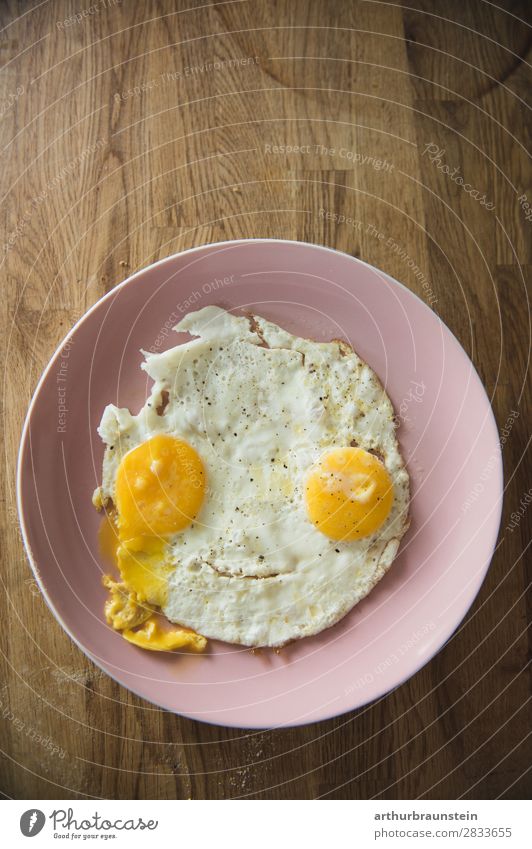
448,436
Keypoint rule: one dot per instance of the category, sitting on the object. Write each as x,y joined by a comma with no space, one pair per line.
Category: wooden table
132,130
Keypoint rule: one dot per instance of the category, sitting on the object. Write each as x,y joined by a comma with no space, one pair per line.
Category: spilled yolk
154,637
141,562
143,567
122,608
349,494
160,487
108,537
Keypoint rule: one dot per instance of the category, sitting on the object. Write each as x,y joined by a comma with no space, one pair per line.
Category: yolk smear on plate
160,487
123,608
108,537
349,494
140,560
155,637
144,568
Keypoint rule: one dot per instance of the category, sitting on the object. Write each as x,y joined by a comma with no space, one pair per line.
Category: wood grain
116,155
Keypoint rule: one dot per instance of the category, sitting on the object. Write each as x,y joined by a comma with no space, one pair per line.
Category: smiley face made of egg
259,494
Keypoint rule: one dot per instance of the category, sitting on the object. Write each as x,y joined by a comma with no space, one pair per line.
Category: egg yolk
159,488
349,494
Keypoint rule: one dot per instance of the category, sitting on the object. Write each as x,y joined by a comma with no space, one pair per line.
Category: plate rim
24,437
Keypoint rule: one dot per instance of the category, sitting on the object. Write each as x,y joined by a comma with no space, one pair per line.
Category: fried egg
260,492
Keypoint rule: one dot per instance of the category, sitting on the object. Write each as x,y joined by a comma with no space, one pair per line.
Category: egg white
261,406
